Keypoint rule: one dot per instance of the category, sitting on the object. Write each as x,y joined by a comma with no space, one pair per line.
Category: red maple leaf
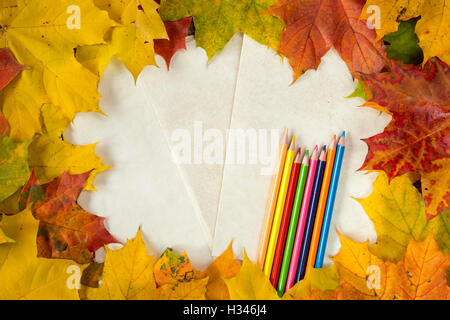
313,26
9,67
66,230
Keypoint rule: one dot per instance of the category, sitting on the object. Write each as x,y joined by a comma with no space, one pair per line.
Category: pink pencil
302,219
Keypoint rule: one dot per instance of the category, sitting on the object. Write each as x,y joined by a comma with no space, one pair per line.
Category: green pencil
293,224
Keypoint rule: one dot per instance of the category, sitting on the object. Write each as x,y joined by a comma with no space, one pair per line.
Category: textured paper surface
196,96
145,188
314,108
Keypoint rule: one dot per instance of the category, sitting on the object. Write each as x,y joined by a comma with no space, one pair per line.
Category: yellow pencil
279,209
270,209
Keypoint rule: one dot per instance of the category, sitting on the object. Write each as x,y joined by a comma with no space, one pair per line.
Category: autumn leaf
397,211
177,32
323,279
132,40
403,44
191,290
127,274
431,28
441,228
436,187
223,267
4,238
229,17
420,274
312,27
14,171
92,275
4,126
22,274
50,155
9,68
42,35
66,230
171,268
417,136
250,284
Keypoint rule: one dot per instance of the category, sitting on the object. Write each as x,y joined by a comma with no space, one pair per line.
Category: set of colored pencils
299,210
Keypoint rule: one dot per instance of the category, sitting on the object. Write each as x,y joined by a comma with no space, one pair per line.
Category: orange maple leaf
421,274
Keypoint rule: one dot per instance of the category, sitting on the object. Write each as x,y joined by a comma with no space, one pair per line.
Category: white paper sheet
196,96
315,108
145,188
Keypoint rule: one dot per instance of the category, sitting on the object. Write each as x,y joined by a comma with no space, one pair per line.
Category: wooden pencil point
292,145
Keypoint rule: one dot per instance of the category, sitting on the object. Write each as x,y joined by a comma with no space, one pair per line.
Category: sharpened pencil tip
343,133
324,148
307,153
315,148
291,146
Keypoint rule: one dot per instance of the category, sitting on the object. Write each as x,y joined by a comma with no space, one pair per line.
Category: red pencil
278,259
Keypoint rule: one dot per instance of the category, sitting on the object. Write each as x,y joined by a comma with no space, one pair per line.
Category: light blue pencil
330,202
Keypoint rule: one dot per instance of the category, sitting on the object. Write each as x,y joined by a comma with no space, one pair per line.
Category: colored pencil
279,209
302,220
270,209
311,216
293,224
330,202
285,220
331,152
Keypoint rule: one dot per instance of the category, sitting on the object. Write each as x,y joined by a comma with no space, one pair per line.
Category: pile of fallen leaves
46,237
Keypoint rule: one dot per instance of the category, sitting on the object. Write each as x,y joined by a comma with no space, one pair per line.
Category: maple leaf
229,17
9,67
3,124
171,268
177,32
403,44
312,27
132,40
397,211
66,230
191,290
14,171
50,155
127,274
420,274
431,28
25,276
250,284
436,187
418,134
42,35
223,267
323,279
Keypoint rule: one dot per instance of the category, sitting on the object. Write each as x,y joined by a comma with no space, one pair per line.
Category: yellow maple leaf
436,187
127,274
432,28
132,40
398,213
22,274
42,35
323,279
50,155
223,267
250,284
191,290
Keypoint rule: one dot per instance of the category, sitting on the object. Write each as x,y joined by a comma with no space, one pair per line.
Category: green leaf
359,92
217,21
403,44
14,170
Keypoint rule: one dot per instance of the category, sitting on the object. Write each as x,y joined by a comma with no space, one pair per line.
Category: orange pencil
331,153
270,209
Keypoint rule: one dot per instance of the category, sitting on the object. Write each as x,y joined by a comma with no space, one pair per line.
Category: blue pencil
311,216
330,202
